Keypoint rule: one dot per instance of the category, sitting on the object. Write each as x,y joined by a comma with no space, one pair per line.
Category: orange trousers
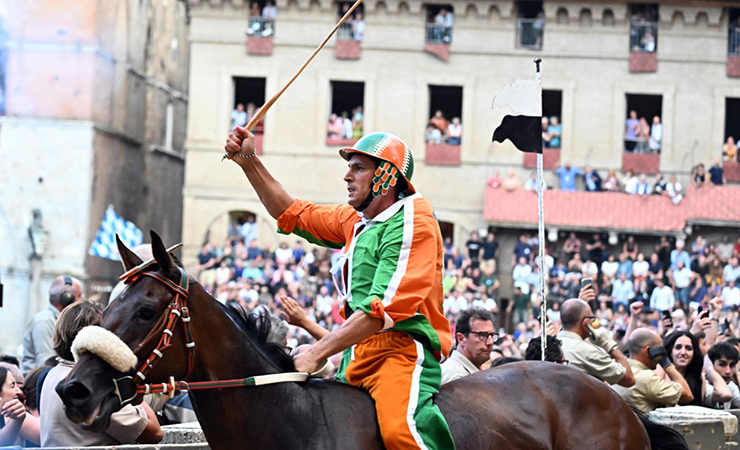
402,376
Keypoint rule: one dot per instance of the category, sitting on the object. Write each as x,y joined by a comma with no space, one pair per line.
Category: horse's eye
146,313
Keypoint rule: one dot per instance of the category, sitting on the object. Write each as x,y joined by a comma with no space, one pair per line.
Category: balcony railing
733,47
345,32
643,37
259,26
529,33
438,34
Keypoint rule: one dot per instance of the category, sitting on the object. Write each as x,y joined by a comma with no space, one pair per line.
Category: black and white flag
521,104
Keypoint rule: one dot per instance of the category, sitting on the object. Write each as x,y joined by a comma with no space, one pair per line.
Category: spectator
673,189
511,183
662,298
648,41
640,273
650,391
725,249
490,253
592,180
269,13
130,424
206,268
612,183
656,135
698,176
358,28
595,249
622,291
443,26
724,359
531,183
475,336
238,116
545,133
609,268
347,130
680,255
729,150
643,187
439,121
683,348
522,249
717,173
357,122
454,132
631,129
495,180
433,135
681,282
37,346
11,409
660,186
630,183
571,246
731,295
335,129
643,135
518,308
554,130
567,176
522,273
630,249
553,352
255,22
474,247
601,358
731,272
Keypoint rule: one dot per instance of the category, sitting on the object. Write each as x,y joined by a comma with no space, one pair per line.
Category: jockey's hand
305,361
292,311
241,141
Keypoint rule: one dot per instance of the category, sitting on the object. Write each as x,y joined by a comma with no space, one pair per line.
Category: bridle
178,311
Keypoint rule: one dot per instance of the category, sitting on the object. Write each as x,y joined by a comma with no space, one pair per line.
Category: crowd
341,126
354,27
551,131
639,137
240,117
629,183
440,130
262,23
643,31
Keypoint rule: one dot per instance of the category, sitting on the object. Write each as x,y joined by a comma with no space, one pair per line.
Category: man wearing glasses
475,338
601,356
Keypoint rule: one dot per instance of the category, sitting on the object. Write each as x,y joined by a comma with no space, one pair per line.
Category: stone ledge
696,414
183,434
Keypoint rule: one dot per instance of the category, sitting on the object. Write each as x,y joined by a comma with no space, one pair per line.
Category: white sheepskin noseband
106,345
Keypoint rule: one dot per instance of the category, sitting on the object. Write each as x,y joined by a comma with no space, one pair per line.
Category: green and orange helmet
395,156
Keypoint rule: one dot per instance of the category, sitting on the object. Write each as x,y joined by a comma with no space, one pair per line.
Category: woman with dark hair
685,352
12,412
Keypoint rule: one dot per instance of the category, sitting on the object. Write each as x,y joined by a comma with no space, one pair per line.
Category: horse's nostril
77,391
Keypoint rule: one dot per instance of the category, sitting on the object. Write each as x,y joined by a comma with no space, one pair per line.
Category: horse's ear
129,259
160,253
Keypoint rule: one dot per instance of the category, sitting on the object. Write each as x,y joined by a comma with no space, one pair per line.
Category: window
354,27
445,112
732,129
643,28
439,24
552,128
643,130
733,36
169,125
249,95
530,25
346,115
262,15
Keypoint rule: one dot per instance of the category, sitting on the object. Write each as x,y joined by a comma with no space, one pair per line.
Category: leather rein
178,311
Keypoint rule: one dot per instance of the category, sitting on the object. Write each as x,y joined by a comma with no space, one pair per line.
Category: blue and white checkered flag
104,245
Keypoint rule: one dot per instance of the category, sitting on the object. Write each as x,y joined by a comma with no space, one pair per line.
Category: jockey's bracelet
251,155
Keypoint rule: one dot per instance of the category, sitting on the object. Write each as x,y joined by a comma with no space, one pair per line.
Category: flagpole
541,229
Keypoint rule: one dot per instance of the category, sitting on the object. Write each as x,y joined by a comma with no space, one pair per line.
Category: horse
527,405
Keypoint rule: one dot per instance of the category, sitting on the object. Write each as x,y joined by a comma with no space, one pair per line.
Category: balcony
550,159
529,33
259,36
438,39
643,45
442,154
330,142
347,47
733,52
638,163
732,171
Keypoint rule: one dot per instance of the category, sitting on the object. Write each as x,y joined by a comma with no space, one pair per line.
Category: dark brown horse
517,406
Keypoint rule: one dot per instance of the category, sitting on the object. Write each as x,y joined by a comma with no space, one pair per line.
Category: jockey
389,276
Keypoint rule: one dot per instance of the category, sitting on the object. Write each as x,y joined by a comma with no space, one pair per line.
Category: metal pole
541,228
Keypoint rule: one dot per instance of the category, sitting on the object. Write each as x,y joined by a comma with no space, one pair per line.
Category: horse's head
98,386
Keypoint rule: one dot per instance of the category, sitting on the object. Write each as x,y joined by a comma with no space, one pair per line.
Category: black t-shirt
205,257
474,248
489,249
715,175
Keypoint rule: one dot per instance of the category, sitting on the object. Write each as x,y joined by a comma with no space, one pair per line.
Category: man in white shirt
521,272
682,279
475,338
730,294
732,270
358,28
622,290
662,297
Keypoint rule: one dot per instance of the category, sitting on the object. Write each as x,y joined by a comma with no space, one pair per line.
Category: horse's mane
256,327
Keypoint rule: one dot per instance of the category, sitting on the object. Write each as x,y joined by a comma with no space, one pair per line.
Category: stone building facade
590,62
94,105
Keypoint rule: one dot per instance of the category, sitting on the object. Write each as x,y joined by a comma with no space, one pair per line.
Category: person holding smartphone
600,356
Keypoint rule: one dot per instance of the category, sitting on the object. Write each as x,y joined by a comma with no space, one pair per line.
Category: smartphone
699,310
585,282
667,316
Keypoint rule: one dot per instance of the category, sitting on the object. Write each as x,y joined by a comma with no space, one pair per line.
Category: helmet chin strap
365,203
